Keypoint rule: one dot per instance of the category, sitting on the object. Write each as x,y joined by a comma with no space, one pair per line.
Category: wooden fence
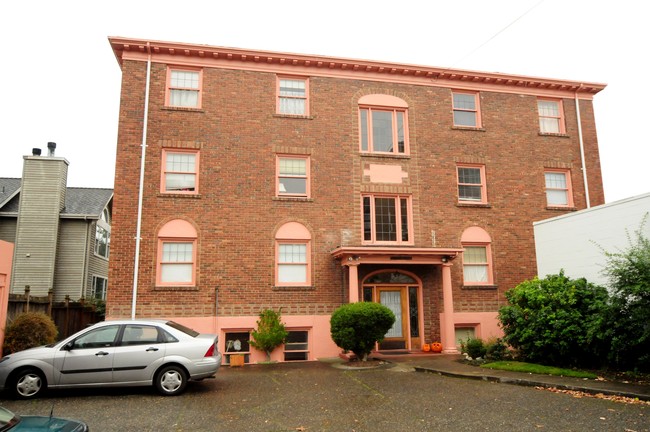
69,317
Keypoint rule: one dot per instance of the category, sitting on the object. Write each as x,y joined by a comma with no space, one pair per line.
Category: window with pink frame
386,219
180,171
176,257
293,96
183,87
558,188
466,109
293,255
292,174
477,257
471,184
383,130
551,116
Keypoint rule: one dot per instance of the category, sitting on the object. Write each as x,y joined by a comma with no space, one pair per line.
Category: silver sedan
161,353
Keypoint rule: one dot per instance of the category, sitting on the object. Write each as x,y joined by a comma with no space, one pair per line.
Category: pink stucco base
6,256
485,324
318,326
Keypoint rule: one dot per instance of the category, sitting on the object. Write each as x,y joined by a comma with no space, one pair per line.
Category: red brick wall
236,215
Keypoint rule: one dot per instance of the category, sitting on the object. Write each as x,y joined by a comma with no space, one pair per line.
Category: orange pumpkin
426,348
436,347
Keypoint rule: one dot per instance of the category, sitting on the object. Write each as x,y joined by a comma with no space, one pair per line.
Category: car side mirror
68,346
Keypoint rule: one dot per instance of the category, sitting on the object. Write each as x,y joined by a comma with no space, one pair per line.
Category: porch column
353,277
448,329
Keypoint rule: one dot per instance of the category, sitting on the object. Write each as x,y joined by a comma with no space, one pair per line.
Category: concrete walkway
448,365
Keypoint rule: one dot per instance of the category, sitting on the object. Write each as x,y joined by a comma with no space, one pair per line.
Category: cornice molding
314,65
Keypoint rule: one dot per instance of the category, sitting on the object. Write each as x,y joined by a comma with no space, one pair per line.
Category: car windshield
180,327
7,419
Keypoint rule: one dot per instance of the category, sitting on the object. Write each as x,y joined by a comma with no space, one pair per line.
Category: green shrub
358,326
496,350
270,332
473,347
29,330
557,321
629,276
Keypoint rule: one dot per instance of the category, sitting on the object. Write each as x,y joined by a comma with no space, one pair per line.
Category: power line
497,34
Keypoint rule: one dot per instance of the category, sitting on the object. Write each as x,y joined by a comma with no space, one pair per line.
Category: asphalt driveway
316,396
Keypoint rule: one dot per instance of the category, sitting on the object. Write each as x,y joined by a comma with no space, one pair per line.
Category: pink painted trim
383,100
181,68
163,167
310,65
475,235
293,231
178,228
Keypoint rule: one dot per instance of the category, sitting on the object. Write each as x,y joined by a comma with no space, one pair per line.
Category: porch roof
355,255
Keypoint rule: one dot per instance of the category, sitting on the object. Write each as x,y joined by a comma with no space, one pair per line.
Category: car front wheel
28,384
171,380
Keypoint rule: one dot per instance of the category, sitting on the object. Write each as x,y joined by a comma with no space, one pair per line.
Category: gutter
582,150
136,259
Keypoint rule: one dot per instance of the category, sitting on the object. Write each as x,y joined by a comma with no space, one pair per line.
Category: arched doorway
401,292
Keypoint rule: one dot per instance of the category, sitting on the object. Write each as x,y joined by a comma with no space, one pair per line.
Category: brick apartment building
300,182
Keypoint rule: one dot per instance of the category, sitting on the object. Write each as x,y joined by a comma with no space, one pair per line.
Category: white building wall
575,242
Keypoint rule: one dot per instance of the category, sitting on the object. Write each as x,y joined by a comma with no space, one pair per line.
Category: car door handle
101,353
152,349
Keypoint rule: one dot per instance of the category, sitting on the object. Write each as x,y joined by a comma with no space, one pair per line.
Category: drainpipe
582,149
136,267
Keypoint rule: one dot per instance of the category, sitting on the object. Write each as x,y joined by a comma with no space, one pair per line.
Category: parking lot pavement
316,396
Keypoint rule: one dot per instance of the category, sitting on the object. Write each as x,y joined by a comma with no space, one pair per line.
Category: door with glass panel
394,298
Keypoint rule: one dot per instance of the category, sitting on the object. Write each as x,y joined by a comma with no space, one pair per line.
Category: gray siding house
61,234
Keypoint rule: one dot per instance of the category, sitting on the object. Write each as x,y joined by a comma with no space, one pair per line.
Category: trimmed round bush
357,327
29,330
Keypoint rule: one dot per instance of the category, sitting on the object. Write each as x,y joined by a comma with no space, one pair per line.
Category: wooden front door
395,299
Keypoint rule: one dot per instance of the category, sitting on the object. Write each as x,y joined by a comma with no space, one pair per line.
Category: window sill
386,155
469,204
178,195
185,109
550,134
291,198
101,257
560,208
468,128
175,288
480,287
294,116
294,288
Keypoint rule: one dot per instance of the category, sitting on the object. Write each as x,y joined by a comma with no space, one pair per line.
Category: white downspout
582,151
136,267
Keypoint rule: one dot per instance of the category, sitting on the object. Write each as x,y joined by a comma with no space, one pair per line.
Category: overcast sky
61,81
